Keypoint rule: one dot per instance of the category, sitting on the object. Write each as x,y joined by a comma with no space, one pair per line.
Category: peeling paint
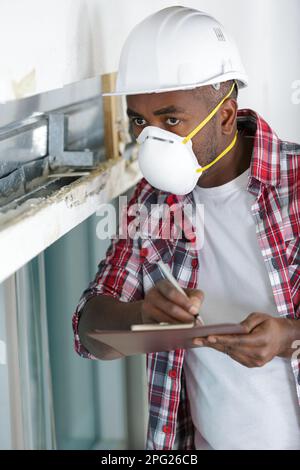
25,86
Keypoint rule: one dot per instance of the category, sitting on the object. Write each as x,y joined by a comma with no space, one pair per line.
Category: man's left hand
265,337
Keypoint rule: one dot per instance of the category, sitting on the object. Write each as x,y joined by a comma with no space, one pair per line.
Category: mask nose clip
160,139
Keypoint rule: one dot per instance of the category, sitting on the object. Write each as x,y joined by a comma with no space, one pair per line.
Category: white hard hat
177,48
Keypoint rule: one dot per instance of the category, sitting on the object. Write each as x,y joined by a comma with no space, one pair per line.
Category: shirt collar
265,160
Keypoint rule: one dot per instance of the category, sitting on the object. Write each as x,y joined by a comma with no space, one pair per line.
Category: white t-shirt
232,406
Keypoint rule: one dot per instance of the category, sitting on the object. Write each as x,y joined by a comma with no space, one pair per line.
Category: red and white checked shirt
130,269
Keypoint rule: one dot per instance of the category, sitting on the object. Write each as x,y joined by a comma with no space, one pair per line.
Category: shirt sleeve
119,275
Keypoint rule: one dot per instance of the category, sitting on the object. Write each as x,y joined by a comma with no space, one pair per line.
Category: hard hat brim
241,79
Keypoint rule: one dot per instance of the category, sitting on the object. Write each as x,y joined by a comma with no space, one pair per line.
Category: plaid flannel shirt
130,269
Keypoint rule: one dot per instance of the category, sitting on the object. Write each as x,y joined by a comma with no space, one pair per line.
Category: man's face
179,112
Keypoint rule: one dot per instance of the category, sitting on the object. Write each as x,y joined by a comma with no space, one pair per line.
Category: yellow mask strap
230,146
208,118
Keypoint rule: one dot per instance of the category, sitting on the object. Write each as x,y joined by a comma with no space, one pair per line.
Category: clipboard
130,343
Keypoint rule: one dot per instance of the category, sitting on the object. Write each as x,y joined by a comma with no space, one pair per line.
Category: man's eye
172,121
139,122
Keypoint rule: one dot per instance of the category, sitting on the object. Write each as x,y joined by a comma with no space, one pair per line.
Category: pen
169,276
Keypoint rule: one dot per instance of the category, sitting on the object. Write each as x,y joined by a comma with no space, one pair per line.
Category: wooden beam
111,121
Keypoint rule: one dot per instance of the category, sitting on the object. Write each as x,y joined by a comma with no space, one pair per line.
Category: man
179,70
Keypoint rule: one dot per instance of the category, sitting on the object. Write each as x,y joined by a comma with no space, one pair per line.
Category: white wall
44,44
54,42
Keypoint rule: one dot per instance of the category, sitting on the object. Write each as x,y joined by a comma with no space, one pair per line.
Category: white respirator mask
167,160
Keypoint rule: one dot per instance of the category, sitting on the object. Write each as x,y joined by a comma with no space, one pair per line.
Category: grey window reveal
54,171
73,133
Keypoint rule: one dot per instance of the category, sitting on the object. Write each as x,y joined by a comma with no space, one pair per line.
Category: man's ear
228,116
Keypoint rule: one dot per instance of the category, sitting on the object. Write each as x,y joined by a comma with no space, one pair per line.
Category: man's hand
163,303
265,337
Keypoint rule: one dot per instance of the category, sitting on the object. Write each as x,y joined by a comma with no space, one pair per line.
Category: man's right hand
164,303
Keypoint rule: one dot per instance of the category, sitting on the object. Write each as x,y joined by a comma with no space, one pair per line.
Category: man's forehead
179,99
